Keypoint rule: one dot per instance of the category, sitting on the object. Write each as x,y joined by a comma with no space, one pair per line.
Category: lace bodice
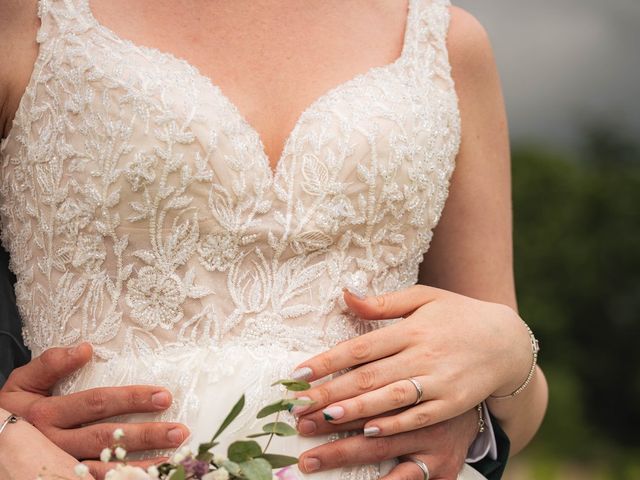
140,210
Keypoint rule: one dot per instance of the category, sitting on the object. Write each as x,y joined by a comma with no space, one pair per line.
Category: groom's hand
27,393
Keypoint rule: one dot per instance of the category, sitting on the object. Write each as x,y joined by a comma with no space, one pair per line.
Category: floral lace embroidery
141,213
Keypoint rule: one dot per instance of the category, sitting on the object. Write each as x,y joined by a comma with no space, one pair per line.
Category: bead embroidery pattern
142,215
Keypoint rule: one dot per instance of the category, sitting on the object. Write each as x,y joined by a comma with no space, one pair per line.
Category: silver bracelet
10,419
535,348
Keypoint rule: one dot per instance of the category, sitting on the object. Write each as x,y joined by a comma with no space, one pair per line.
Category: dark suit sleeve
13,352
493,469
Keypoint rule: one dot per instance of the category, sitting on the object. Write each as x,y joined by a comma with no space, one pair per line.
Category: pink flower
286,473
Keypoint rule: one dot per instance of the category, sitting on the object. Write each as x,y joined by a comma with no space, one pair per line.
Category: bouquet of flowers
246,459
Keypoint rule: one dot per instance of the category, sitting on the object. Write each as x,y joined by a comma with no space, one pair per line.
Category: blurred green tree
577,264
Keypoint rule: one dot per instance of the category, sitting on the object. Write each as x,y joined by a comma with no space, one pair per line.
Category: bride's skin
296,51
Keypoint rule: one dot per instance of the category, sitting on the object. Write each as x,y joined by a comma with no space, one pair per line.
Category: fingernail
298,409
161,399
175,436
307,427
303,373
311,464
75,350
371,431
333,413
359,294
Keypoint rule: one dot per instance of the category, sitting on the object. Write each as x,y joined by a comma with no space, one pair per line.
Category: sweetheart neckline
232,107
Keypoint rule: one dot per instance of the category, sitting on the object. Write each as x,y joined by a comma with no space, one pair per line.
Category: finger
359,450
406,471
99,403
365,348
395,395
315,424
360,380
88,442
422,415
44,371
100,469
393,304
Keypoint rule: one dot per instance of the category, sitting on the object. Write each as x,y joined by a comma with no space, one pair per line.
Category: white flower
177,458
218,459
186,451
105,455
118,433
81,470
120,453
153,471
219,474
127,472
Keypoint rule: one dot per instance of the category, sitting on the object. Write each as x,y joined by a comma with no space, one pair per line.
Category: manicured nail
175,436
161,399
371,431
303,373
307,427
311,464
358,293
333,413
298,409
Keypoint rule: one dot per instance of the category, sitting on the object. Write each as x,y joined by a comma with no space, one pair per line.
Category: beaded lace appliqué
141,213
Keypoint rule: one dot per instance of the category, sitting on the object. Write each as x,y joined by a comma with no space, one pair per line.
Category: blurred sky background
563,61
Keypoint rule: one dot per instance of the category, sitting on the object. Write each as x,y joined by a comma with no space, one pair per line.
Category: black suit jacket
13,354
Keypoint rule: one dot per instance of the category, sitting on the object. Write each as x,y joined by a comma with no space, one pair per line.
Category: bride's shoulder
467,38
469,48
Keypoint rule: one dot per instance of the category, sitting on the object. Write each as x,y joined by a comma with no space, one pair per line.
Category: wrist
522,357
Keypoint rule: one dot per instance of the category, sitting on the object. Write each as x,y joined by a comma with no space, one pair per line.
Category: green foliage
577,265
235,411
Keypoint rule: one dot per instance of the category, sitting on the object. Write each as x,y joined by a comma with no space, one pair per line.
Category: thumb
42,372
400,303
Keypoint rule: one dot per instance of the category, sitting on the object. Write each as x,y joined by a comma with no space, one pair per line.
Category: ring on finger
421,465
419,389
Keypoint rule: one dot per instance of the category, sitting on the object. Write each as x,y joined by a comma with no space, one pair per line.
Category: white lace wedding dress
142,215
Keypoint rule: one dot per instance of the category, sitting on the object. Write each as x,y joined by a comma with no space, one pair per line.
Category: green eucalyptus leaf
179,473
293,385
205,457
256,469
257,435
232,467
279,428
243,450
205,447
273,408
235,411
279,461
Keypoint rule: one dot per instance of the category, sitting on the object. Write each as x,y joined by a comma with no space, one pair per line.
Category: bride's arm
27,453
471,252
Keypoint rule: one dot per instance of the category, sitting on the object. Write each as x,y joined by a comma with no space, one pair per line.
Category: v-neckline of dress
231,106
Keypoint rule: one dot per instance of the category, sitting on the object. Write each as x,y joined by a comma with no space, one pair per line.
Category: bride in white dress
143,214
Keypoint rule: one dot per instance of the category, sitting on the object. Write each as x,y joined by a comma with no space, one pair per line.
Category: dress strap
61,16
429,39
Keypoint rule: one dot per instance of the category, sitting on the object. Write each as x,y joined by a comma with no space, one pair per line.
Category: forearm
521,416
26,453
